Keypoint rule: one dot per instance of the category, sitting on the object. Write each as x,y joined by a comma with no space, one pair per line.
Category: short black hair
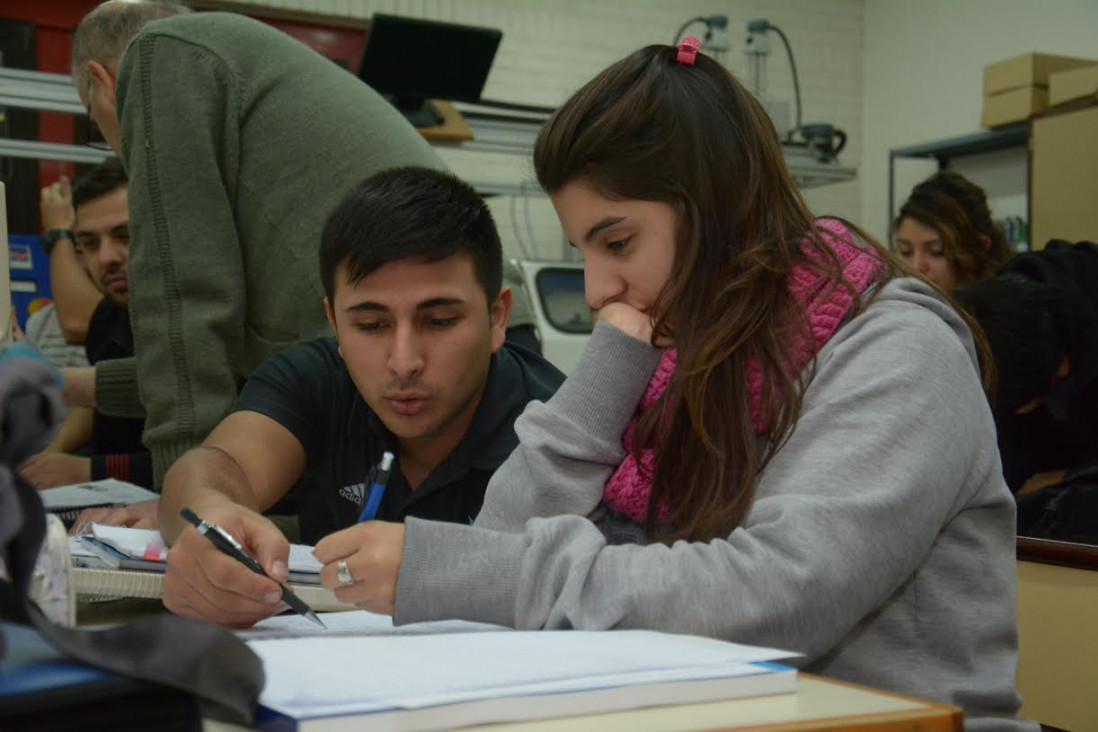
1030,327
107,177
411,212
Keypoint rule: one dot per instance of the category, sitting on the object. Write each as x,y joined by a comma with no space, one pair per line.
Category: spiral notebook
116,561
101,584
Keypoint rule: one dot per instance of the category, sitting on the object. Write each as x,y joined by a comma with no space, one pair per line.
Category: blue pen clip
377,488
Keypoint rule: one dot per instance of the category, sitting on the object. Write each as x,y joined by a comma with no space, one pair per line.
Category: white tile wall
551,47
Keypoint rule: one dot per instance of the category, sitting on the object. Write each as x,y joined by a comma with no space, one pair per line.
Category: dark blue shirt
308,391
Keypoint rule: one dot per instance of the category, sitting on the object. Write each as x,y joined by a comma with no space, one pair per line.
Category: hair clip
688,50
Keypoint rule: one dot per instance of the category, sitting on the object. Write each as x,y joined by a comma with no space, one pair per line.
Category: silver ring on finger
343,574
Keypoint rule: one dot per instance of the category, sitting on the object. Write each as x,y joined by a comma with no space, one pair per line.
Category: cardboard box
1064,178
1014,106
1073,84
1031,69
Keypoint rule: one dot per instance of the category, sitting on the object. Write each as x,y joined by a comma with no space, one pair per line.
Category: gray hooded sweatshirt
879,544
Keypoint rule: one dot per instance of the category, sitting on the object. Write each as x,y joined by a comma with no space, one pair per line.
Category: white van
563,320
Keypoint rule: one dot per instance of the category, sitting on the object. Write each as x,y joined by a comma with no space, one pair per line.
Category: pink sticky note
154,553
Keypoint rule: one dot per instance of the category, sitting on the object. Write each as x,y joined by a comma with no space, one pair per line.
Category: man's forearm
78,386
75,432
204,477
74,294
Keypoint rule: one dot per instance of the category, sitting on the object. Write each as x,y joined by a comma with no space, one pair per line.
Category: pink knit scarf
628,489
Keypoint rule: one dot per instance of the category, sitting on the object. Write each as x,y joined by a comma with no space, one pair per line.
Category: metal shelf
499,133
39,90
495,132
1003,138
34,150
50,93
978,143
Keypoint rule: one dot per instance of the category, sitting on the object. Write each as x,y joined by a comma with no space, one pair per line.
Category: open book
457,674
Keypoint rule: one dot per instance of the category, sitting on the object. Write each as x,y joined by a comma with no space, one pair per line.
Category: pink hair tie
688,50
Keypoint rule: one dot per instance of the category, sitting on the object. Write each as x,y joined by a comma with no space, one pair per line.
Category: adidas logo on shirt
356,493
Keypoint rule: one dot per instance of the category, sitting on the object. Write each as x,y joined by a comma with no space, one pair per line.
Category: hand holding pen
204,582
375,491
230,546
361,563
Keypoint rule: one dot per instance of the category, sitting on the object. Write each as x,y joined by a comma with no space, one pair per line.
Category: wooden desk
818,704
1058,632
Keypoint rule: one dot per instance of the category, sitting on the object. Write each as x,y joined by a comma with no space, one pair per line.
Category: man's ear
1064,369
501,314
105,83
332,322
985,242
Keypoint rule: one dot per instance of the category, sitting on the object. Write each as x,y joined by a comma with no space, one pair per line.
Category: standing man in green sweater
238,141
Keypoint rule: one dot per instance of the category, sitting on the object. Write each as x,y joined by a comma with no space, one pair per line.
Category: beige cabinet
1064,177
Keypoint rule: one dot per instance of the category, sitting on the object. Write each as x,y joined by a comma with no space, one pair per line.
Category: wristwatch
50,238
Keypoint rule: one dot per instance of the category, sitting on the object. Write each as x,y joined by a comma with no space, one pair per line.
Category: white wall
551,47
923,81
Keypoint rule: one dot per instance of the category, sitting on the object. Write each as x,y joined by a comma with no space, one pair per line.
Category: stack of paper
144,549
450,677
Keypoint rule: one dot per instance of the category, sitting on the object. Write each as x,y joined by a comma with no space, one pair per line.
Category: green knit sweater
238,141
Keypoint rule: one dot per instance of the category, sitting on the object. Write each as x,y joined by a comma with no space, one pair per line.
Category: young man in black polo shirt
412,266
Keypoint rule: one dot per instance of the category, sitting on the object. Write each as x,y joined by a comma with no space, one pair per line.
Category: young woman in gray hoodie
773,437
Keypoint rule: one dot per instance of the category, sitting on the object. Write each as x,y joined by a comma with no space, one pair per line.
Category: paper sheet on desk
332,676
94,493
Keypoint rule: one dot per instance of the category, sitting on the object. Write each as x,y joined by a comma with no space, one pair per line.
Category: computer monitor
411,61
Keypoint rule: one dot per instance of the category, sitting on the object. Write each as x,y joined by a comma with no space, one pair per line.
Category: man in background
238,141
1040,315
59,328
102,239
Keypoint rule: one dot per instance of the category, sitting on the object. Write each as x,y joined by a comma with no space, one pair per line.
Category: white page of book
354,622
77,548
330,676
94,493
133,542
302,559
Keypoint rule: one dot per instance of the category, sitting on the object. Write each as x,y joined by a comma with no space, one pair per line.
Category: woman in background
945,232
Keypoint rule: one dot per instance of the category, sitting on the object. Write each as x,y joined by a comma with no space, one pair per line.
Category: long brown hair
650,128
957,209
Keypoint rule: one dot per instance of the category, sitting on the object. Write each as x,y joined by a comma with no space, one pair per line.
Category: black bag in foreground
179,668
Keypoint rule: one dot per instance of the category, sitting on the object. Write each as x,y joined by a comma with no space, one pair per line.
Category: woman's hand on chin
628,320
